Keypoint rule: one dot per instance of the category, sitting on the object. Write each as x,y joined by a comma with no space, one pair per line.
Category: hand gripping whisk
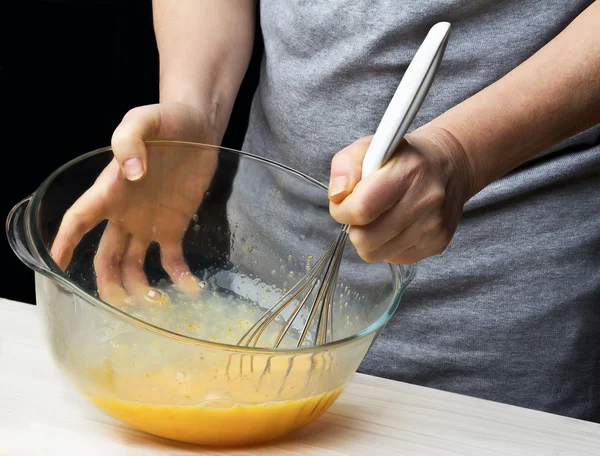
315,291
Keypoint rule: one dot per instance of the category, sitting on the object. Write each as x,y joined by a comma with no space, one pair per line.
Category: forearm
550,97
204,47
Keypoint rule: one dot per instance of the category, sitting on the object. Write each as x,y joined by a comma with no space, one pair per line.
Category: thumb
346,169
128,140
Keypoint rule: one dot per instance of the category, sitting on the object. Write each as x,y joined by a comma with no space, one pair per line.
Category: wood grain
42,415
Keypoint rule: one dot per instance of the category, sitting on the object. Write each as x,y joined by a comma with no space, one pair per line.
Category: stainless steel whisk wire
329,264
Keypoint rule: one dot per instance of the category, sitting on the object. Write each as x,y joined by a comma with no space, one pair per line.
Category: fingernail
338,185
133,168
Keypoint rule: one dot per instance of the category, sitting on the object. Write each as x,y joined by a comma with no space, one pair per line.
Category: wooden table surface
42,415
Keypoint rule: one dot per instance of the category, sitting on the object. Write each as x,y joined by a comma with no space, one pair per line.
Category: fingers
132,268
346,168
376,194
138,125
414,234
175,265
402,237
82,217
400,220
107,264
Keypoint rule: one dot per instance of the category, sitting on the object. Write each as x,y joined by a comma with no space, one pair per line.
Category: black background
69,71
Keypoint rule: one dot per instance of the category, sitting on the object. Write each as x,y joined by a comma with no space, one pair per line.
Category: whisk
321,280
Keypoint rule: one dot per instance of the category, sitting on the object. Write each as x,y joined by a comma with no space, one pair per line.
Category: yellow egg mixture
218,407
219,425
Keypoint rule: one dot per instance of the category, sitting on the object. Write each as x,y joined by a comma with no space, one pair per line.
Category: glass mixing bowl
165,360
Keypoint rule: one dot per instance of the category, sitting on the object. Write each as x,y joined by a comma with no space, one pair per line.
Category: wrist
213,107
448,151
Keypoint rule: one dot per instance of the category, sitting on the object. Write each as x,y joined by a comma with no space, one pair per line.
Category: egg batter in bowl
214,421
208,398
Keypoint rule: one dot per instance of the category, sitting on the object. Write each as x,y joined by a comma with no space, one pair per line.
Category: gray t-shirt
511,310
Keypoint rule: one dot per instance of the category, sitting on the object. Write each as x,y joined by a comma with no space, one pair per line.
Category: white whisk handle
407,99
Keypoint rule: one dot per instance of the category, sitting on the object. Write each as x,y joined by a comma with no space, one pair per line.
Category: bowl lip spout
402,275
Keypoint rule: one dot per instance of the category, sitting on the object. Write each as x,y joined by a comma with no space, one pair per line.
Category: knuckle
173,263
120,137
368,257
133,262
336,213
361,240
125,133
106,262
414,168
434,198
338,159
347,160
134,112
361,212
435,225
